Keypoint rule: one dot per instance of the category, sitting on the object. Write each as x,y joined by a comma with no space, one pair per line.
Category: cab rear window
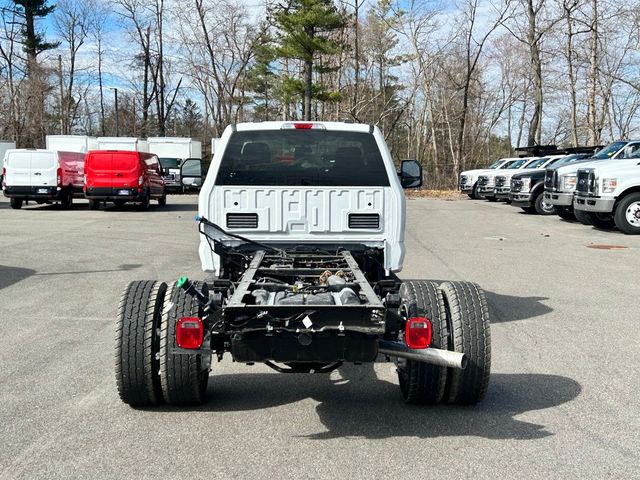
302,158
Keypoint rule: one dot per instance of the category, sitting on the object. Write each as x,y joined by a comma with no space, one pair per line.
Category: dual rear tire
148,372
460,320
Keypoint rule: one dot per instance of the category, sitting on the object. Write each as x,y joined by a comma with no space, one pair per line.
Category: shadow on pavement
154,208
122,268
507,308
11,275
360,405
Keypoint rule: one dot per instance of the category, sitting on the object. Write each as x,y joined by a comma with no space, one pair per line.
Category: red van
123,176
43,175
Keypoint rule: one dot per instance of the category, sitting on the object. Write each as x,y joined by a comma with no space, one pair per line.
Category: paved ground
563,400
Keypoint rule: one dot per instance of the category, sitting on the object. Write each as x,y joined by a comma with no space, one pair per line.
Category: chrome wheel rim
632,214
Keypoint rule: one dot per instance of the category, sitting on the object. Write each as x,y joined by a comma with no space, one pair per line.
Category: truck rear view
302,233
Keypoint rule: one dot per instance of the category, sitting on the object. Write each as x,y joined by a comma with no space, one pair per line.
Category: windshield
302,157
610,150
537,163
508,164
495,164
169,162
518,163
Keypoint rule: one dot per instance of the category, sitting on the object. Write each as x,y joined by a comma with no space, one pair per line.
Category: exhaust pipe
434,356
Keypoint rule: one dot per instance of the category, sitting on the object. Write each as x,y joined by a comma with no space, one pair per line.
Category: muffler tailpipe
434,356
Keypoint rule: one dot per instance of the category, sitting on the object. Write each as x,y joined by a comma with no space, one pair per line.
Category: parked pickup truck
469,178
487,181
503,180
43,175
527,187
560,183
303,256
610,195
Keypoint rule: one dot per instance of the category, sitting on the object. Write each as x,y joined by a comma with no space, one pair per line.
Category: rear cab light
302,126
418,332
59,176
189,332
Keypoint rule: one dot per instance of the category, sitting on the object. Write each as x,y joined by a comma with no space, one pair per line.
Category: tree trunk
593,77
308,84
535,127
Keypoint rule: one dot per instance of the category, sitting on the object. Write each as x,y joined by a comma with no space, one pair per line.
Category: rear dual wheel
148,371
460,319
16,203
138,342
184,377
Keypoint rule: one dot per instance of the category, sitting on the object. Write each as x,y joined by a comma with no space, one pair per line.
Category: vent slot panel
242,220
364,220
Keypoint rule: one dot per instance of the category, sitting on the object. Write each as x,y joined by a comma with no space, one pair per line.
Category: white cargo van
44,176
4,146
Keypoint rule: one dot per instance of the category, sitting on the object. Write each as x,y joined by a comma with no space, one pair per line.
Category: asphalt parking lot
563,400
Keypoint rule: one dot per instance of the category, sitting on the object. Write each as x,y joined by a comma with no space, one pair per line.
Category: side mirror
191,172
410,174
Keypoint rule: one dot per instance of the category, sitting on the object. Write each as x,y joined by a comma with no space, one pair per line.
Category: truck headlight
526,184
569,182
609,185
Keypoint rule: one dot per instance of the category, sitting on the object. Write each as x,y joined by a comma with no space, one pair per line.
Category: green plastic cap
182,281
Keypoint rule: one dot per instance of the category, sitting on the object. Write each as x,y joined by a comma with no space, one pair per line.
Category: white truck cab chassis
302,231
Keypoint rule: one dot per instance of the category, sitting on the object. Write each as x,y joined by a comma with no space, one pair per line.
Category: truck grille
550,179
483,180
582,183
500,181
242,220
364,220
516,185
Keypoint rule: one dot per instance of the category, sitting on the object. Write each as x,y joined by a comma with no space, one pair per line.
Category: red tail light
189,332
418,332
59,176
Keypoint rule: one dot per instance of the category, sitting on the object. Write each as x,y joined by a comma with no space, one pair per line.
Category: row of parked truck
101,170
597,186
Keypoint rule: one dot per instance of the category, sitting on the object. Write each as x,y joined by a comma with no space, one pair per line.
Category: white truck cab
560,183
319,183
610,194
503,179
468,182
487,181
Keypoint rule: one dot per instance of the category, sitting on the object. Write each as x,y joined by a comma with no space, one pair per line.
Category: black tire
94,204
603,221
542,207
119,203
566,213
144,204
184,378
67,200
626,213
162,201
477,195
138,342
468,320
421,383
582,216
16,203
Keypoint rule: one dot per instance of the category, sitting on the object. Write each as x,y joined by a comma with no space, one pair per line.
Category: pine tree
34,42
261,79
305,32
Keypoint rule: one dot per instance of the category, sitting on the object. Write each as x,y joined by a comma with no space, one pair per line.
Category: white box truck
71,143
172,153
133,144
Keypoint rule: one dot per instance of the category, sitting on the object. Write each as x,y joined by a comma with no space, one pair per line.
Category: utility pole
62,132
115,93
